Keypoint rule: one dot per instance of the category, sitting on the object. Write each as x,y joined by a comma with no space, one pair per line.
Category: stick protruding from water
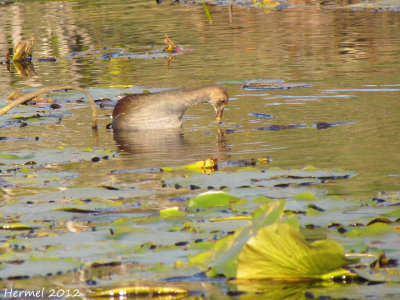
49,89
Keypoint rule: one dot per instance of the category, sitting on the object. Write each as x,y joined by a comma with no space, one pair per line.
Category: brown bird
164,110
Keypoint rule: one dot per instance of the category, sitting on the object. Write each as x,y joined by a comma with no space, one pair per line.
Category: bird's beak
219,114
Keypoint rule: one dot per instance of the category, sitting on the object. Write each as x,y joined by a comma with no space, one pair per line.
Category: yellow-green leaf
213,198
88,149
279,251
306,196
222,258
141,291
376,229
15,226
172,212
203,166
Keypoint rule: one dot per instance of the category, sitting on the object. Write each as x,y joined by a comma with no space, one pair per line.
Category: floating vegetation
43,157
281,127
269,4
272,247
204,166
277,127
213,199
15,226
171,47
324,125
261,116
228,222
141,291
23,50
266,86
384,5
169,51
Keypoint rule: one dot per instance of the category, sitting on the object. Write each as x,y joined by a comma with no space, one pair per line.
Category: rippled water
352,58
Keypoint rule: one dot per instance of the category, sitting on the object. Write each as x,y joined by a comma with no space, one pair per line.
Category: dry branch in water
36,93
171,47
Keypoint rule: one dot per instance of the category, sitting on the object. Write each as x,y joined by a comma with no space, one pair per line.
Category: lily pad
252,81
379,275
261,116
213,198
273,247
141,291
172,212
222,258
15,226
40,266
383,4
266,86
306,196
203,166
51,156
376,229
279,251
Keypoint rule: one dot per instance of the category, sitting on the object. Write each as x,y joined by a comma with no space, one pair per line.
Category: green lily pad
120,232
306,196
172,212
51,156
40,266
376,229
14,156
213,198
379,275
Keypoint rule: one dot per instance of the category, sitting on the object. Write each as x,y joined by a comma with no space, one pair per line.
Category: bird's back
145,111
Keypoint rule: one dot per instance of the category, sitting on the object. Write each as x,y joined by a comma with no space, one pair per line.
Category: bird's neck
192,97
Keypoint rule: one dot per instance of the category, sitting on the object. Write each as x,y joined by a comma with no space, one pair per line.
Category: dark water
352,58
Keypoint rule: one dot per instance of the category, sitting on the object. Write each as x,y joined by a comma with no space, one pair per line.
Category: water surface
352,58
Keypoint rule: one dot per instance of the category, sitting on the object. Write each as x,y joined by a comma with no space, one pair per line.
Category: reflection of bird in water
153,142
164,110
157,148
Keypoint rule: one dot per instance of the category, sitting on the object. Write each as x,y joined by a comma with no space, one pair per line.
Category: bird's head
219,100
